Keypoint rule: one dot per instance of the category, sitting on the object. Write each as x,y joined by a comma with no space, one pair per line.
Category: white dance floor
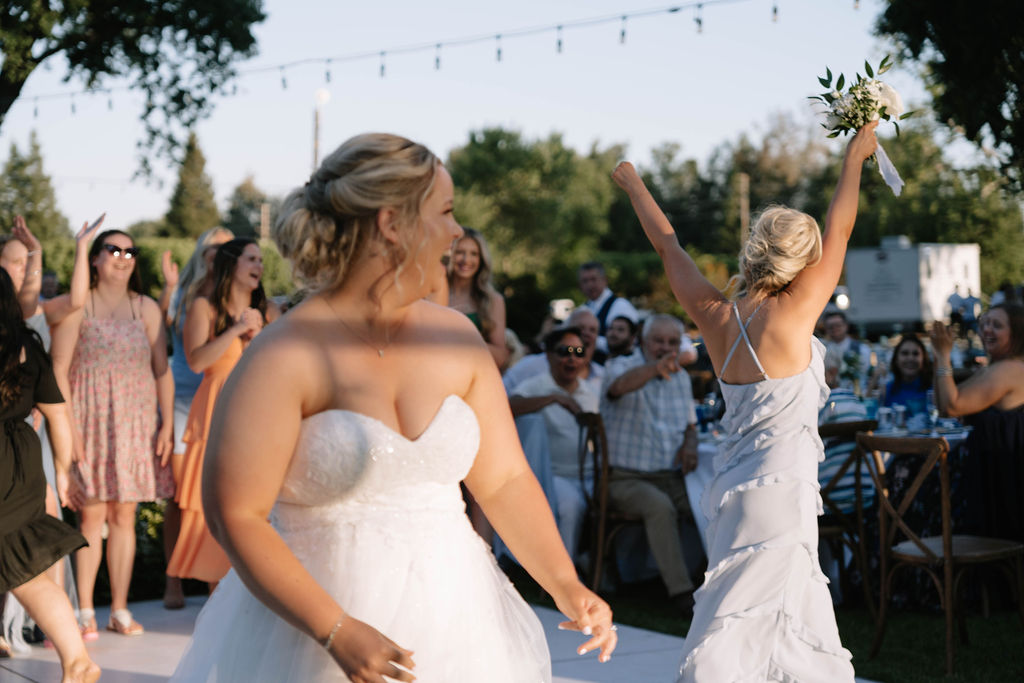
642,657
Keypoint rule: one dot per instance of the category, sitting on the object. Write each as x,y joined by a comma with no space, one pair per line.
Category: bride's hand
366,655
591,616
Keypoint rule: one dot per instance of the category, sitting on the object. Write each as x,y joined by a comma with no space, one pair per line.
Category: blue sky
666,82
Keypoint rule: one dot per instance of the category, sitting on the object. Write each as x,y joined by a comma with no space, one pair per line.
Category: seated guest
992,402
911,376
559,395
842,406
621,334
649,416
535,364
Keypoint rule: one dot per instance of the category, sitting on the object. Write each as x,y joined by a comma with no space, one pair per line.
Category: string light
72,104
110,102
856,4
775,13
621,18
35,108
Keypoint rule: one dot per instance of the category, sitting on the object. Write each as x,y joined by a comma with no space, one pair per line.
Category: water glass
885,418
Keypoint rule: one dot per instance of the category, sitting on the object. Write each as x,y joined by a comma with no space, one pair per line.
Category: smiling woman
470,291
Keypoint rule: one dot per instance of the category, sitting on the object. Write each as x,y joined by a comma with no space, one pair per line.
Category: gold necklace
368,342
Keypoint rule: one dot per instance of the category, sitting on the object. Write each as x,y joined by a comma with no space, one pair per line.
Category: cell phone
99,220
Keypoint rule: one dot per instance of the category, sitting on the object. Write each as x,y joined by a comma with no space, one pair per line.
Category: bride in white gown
338,444
764,610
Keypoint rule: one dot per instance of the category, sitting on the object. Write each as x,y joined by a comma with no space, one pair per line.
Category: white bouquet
866,100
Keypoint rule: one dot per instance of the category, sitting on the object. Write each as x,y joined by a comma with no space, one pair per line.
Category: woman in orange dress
217,329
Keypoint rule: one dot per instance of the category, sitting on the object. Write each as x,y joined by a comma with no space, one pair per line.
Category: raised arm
28,295
64,338
813,287
986,387
503,484
58,308
690,287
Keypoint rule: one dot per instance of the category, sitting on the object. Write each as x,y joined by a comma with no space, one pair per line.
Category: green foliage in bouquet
866,100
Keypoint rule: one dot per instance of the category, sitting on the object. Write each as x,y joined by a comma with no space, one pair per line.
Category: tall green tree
178,52
193,209
245,208
972,58
26,190
542,206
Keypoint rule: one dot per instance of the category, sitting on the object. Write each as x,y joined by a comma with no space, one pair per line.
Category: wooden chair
604,522
944,558
840,528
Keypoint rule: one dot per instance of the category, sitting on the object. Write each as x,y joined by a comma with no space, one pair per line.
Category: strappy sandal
87,624
121,622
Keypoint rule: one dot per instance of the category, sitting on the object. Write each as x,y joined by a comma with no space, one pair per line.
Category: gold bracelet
330,636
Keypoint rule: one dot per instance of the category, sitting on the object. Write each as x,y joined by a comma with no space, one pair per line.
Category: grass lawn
913,650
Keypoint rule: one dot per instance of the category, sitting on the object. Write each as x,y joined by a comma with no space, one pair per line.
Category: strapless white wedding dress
379,522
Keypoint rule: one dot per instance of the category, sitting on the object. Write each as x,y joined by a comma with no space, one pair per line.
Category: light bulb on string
856,4
558,43
437,57
497,42
284,81
622,31
775,13
72,104
327,72
383,55
110,102
35,108
698,19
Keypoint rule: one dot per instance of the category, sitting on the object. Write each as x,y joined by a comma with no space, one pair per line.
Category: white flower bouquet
867,99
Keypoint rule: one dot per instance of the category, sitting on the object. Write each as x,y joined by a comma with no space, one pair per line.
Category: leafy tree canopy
193,208
26,190
178,52
245,209
972,58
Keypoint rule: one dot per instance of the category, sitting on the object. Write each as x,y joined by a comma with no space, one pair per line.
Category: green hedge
59,256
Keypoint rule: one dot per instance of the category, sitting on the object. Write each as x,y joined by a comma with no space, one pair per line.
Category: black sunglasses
566,351
115,251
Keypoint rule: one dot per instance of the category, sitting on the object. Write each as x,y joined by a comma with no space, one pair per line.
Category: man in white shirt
837,338
603,303
559,395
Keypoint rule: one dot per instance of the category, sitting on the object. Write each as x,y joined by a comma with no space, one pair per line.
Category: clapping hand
366,655
942,340
591,616
253,321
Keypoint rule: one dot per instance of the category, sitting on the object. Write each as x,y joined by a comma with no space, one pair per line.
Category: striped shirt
843,406
646,427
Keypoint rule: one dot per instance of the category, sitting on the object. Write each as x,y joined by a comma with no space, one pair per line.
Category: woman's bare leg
87,560
49,607
120,551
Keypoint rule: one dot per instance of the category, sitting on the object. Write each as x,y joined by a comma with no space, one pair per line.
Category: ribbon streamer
889,173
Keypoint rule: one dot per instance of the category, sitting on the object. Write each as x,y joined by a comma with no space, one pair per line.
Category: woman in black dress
31,540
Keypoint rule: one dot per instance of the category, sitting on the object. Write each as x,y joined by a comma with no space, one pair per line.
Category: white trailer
899,282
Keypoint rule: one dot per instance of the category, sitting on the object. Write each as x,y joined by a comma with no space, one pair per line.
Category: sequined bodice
349,462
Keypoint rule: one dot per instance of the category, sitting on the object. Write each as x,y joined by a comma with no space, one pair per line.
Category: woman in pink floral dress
111,360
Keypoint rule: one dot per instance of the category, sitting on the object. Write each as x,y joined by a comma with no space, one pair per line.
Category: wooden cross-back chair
605,523
846,528
944,558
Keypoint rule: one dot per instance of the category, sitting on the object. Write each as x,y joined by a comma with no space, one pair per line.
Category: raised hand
591,616
366,655
169,269
24,235
863,144
88,232
626,177
942,340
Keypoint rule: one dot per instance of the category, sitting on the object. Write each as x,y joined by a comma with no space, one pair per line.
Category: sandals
121,622
87,624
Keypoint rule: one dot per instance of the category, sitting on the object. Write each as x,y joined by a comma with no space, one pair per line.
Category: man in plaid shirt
649,416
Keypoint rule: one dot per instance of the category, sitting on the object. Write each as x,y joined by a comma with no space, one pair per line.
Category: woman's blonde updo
782,242
326,226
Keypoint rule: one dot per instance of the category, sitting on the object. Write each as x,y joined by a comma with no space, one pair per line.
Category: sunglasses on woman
116,251
566,351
